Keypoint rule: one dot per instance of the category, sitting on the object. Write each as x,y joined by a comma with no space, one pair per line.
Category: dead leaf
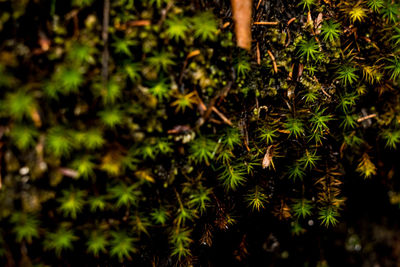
267,158
242,16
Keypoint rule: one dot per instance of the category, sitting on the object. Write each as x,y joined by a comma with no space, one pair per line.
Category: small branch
273,61
266,23
222,116
105,55
366,117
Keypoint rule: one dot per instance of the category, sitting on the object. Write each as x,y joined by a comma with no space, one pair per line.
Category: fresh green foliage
205,26
122,245
308,49
202,149
72,201
391,12
233,176
124,194
160,215
111,117
60,240
177,27
302,208
330,30
375,5
394,68
391,137
180,238
59,141
294,126
347,74
161,60
256,198
23,136
328,216
19,104
307,4
25,226
97,243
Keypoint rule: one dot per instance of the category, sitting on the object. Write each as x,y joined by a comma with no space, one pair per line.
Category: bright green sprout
125,195
294,126
111,117
346,73
347,101
233,176
391,12
177,28
84,166
81,53
328,216
391,137
180,239
122,245
19,104
97,243
71,203
319,121
200,199
296,171
122,46
133,71
309,159
112,92
59,141
160,216
310,96
140,224
306,4
394,68
60,240
184,101
91,139
184,214
256,198
158,3
330,30
302,208
202,150
357,13
205,26
97,203
161,60
242,66
225,156
308,49
396,36
23,136
25,226
69,78
160,90
349,121
268,134
375,5
231,139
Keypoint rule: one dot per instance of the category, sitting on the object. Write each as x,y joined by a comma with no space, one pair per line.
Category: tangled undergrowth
143,149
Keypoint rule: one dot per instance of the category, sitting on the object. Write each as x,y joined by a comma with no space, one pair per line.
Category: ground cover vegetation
136,132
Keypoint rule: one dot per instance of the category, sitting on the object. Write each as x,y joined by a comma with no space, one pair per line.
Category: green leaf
71,203
60,240
25,226
97,243
125,195
122,245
